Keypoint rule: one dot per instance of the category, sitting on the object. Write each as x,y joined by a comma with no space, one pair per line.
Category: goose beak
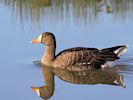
37,40
34,88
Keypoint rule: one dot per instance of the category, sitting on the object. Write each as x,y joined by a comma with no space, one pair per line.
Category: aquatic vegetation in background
83,11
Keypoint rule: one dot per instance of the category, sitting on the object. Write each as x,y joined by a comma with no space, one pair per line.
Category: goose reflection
108,77
46,91
91,77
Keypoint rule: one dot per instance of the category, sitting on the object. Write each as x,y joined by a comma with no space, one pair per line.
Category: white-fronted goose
46,91
90,77
78,58
108,76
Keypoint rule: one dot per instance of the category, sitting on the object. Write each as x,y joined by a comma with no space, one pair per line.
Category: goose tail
121,50
112,54
116,51
119,81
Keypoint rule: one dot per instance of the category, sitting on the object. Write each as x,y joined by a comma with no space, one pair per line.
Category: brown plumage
78,58
90,77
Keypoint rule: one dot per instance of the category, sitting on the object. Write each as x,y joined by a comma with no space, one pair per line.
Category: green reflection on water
85,11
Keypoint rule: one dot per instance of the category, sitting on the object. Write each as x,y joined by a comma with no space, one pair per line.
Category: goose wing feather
79,59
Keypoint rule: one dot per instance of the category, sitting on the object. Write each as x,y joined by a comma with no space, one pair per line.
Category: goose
47,90
89,77
77,58
109,76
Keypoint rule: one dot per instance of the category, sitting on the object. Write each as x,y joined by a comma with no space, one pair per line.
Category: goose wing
79,59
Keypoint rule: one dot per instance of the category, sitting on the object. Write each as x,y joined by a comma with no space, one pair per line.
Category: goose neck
49,54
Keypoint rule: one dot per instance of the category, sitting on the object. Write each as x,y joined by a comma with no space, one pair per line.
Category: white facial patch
39,38
38,92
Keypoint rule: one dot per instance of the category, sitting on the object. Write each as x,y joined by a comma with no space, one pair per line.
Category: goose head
43,92
46,38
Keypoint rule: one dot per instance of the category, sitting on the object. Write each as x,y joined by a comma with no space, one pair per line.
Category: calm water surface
89,23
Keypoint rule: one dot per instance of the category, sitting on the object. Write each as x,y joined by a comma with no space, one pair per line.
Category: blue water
18,73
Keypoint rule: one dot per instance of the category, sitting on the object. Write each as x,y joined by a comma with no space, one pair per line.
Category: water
89,23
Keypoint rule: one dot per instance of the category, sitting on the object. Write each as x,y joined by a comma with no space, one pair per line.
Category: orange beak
36,41
34,89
